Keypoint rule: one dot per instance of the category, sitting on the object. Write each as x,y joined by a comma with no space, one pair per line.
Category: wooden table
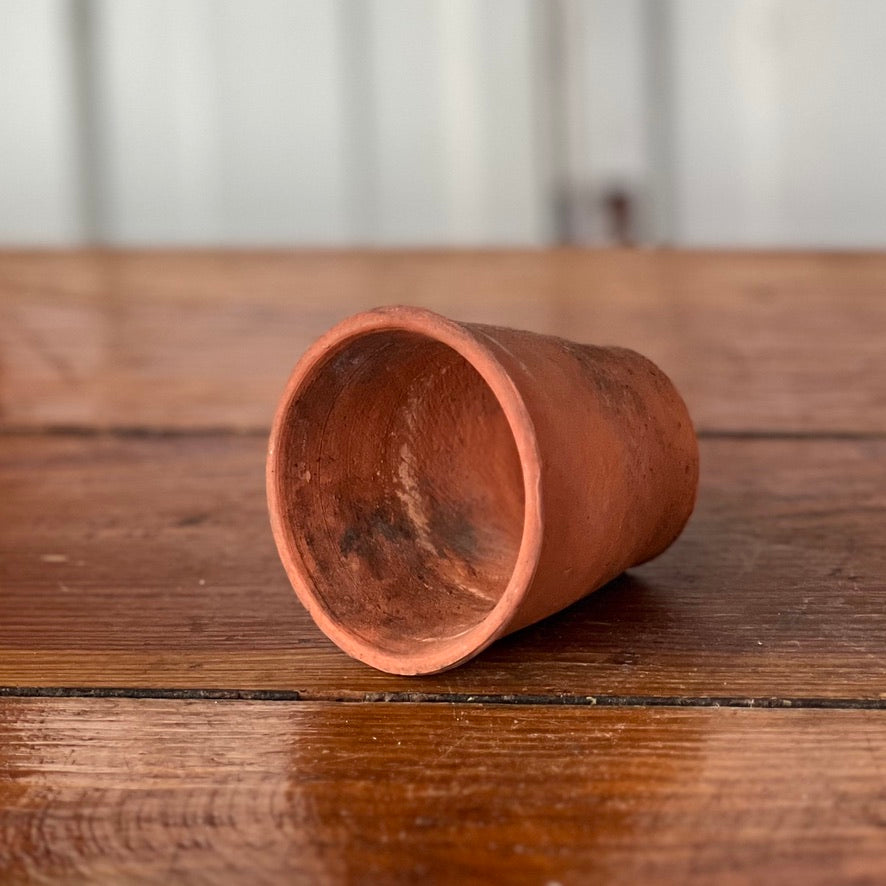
170,714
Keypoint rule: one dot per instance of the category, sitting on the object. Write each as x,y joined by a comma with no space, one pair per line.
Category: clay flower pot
435,485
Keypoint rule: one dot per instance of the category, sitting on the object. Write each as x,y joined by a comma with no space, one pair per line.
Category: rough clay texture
420,516
619,461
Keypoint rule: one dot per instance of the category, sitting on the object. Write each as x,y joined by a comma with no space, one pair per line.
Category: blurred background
737,123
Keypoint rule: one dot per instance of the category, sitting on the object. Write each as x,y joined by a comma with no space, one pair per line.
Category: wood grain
139,561
202,792
148,562
775,342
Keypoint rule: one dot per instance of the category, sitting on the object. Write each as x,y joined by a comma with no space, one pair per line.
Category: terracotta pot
435,485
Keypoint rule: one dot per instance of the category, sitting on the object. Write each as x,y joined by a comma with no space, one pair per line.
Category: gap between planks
610,701
172,432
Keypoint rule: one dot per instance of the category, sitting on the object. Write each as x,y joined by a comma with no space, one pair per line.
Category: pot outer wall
618,457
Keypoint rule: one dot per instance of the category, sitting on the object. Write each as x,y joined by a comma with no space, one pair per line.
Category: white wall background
779,122
410,122
40,195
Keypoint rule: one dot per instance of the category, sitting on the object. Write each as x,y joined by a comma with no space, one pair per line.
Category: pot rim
477,349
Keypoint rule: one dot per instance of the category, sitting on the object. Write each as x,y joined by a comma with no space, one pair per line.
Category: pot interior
402,491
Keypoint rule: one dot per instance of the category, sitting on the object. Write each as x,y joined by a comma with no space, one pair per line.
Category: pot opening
401,490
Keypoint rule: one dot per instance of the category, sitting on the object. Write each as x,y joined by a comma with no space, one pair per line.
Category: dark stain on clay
366,530
452,532
613,385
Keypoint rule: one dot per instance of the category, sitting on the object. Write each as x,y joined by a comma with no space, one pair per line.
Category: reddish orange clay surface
435,485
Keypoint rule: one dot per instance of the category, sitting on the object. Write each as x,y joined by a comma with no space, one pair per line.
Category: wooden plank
776,342
148,562
204,792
